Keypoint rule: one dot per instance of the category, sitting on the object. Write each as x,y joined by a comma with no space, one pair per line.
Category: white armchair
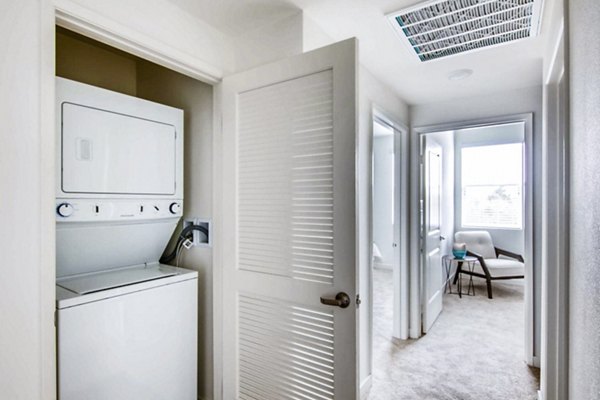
490,266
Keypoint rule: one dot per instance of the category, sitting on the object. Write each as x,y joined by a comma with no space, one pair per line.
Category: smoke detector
442,28
460,74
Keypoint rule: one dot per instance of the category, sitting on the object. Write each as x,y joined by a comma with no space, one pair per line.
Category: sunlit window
492,186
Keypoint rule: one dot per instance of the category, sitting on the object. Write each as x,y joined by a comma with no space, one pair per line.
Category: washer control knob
175,208
65,210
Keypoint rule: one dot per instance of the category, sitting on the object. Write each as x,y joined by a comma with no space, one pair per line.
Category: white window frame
460,206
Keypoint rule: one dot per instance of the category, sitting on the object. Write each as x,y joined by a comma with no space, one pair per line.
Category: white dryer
126,325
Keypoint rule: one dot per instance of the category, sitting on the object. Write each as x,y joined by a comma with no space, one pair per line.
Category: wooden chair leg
458,269
489,287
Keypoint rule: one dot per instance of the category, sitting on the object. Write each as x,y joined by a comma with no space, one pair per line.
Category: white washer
129,333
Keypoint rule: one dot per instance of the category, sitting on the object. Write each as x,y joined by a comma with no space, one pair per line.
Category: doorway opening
385,247
389,219
390,234
473,180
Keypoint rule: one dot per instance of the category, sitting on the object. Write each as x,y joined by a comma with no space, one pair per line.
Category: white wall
313,36
268,43
518,101
27,201
509,239
383,196
584,78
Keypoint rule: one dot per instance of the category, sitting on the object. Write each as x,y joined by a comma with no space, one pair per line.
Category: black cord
186,233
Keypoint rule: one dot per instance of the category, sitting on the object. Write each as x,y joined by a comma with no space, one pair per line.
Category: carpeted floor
473,352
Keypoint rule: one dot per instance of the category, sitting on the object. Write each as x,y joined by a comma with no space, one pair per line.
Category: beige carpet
473,352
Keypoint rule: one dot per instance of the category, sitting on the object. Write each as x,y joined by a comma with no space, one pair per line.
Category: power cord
185,235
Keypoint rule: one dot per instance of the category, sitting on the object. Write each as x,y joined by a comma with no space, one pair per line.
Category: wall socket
199,238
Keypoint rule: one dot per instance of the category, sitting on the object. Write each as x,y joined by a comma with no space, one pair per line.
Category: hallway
474,351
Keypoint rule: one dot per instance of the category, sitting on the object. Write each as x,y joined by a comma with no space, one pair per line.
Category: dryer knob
175,208
65,210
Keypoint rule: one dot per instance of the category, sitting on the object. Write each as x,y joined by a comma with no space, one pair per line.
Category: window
492,186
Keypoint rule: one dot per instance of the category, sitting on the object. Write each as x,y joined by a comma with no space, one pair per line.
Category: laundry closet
137,214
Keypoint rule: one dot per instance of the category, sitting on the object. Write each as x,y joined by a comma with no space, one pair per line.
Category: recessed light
460,74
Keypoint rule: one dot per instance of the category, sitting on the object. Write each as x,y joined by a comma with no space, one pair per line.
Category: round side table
448,261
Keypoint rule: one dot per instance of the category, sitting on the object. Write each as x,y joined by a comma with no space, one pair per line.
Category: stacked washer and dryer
126,324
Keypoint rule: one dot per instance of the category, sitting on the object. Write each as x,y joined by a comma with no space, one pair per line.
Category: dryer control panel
91,210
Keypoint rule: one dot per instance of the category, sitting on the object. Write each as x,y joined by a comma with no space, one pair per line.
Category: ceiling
381,51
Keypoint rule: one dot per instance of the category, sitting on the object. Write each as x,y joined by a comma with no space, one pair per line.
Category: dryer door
104,152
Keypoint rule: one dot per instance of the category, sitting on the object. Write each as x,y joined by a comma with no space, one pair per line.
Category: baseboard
379,265
365,386
540,395
536,362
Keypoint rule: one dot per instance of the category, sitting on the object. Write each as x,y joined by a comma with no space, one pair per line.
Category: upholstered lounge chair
490,266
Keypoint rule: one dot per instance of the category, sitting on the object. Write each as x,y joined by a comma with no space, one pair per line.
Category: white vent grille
443,28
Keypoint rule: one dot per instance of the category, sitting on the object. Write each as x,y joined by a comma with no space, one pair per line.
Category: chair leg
457,274
489,287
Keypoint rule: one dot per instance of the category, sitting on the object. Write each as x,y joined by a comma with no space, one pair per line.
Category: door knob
341,300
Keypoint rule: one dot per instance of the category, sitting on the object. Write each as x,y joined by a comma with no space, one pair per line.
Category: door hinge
55,318
358,300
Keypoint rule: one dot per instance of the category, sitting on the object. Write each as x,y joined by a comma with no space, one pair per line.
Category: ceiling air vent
442,28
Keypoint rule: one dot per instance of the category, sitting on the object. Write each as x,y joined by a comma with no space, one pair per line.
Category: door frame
554,379
67,14
401,180
415,234
95,26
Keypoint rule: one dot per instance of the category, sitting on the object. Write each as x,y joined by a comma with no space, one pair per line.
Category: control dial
175,208
65,210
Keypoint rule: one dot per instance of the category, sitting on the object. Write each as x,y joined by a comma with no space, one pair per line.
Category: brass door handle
341,300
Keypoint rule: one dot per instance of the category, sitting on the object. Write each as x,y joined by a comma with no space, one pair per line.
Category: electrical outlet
199,238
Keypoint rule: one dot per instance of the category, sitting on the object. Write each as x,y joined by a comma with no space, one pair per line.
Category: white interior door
289,228
432,218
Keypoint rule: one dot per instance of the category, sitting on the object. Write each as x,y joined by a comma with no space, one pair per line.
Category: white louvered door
289,218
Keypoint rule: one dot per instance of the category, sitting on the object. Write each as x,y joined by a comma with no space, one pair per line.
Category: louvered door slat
284,169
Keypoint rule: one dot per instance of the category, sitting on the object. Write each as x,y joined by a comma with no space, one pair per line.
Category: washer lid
111,279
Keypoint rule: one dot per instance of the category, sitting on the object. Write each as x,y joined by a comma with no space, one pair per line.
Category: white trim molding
93,25
554,379
365,387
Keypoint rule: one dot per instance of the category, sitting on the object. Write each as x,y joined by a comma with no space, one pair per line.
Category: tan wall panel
161,85
83,61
